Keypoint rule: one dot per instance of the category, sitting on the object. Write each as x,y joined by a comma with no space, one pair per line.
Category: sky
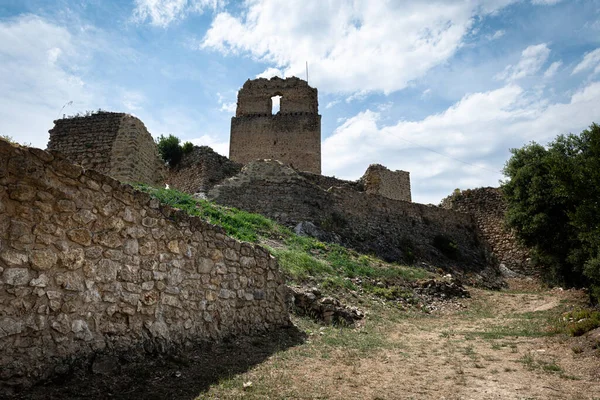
440,88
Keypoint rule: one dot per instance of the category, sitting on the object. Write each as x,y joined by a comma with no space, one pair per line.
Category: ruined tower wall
390,184
487,206
200,170
88,264
292,136
115,144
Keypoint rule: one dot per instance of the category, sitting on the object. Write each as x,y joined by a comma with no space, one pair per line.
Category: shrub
169,149
187,147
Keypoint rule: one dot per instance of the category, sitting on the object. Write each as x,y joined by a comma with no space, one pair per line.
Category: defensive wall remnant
200,170
115,144
88,264
394,185
292,136
393,230
487,206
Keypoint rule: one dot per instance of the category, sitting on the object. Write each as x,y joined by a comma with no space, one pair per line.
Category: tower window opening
275,104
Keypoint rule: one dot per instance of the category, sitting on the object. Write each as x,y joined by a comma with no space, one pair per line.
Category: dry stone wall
200,170
115,144
487,206
383,182
88,264
393,230
292,136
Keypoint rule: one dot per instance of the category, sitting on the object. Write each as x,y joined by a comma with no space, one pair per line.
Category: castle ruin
115,144
292,135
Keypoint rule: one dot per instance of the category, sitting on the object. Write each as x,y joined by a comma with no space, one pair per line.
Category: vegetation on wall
171,150
553,196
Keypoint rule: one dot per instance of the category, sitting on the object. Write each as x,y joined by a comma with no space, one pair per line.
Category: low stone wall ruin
90,265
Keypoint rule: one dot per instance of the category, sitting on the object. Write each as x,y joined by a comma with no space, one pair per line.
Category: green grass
303,257
582,321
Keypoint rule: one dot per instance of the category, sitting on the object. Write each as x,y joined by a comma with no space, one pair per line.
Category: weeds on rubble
302,257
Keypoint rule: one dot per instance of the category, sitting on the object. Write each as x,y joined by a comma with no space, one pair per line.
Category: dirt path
499,346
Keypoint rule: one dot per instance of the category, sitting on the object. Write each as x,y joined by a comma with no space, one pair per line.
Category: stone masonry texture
89,265
200,170
391,184
393,230
115,144
292,136
487,206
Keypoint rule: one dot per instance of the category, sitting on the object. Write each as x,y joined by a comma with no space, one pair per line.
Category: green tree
553,196
171,150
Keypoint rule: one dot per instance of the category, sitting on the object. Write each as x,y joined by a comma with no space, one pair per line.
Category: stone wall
292,136
391,184
394,230
115,144
88,264
487,206
200,170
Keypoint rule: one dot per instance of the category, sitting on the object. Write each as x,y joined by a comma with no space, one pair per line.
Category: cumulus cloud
590,60
464,146
38,77
164,12
350,46
271,72
214,142
532,60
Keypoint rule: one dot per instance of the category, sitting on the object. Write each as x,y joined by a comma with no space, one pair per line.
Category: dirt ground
495,345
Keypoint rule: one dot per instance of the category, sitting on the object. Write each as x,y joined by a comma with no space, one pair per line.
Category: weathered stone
40,281
81,236
84,217
81,330
71,281
131,247
12,257
73,258
16,276
42,260
107,270
9,327
21,192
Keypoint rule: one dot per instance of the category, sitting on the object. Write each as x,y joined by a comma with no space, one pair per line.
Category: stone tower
114,144
292,135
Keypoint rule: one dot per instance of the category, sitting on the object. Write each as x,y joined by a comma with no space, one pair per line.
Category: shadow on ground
179,375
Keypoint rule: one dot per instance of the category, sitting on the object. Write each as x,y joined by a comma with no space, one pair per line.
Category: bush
552,196
187,147
169,149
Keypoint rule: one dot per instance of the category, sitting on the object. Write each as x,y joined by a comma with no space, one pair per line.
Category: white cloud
463,146
37,78
546,2
132,100
350,46
331,104
532,60
590,60
496,35
213,142
552,69
271,72
164,12
226,106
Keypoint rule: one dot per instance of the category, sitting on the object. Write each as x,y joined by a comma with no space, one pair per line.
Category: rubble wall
115,144
393,230
384,182
88,264
487,206
200,170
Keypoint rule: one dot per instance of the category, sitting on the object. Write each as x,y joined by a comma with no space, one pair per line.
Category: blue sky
441,89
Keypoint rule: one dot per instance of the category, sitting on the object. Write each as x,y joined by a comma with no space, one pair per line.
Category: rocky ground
493,345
